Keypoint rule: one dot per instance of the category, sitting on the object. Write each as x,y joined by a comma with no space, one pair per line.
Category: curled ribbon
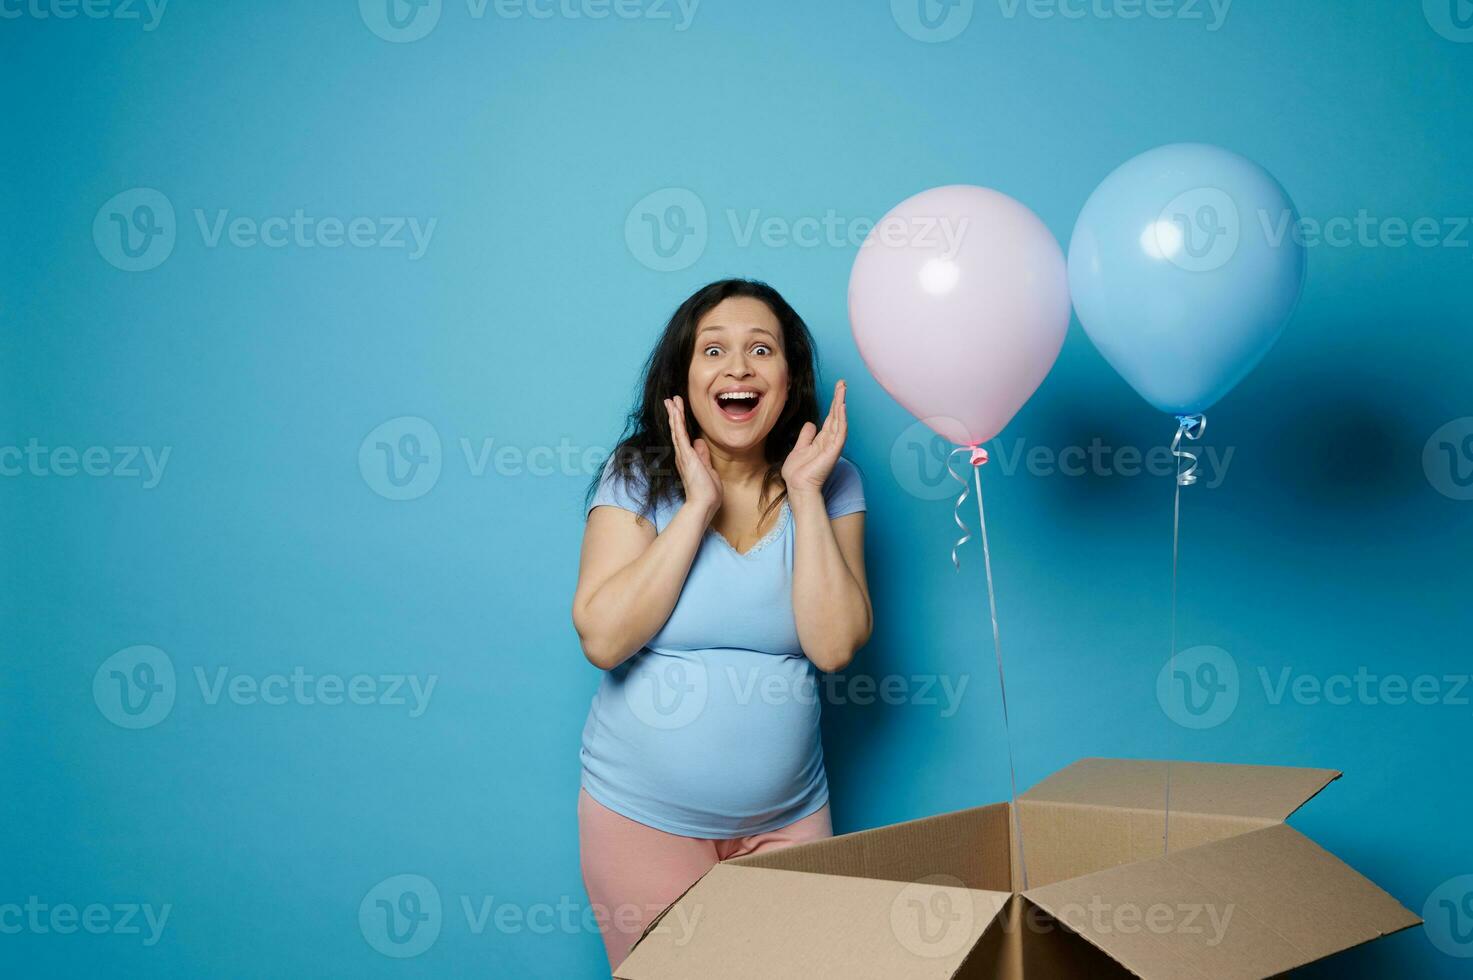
977,458
1190,427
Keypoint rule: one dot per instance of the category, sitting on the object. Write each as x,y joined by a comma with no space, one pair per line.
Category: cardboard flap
742,922
1258,792
1249,906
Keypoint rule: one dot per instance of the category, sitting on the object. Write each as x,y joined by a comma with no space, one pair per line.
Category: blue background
264,548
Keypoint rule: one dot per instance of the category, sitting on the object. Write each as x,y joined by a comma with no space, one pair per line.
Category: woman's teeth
738,405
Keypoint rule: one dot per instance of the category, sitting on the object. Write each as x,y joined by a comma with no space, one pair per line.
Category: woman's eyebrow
719,328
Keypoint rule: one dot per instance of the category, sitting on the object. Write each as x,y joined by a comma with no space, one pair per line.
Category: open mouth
738,406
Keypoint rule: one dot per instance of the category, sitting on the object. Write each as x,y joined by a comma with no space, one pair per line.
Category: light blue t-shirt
711,729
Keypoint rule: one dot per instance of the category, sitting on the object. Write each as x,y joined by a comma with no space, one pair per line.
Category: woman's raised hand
697,475
817,450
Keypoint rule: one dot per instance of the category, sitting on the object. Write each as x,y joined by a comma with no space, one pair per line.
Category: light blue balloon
1184,266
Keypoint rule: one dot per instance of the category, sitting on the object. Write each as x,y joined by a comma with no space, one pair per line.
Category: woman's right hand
702,484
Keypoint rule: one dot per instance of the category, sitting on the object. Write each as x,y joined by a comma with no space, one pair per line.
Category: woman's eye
710,349
763,348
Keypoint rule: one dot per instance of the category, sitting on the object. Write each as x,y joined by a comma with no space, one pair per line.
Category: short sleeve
843,492
616,491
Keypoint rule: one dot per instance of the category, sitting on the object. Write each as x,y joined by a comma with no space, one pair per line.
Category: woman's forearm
829,607
628,609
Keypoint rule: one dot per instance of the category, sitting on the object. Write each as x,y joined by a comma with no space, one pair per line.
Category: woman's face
738,349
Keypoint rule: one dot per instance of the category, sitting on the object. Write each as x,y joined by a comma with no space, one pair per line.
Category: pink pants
633,871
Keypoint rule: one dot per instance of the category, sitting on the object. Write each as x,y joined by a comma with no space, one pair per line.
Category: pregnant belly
722,732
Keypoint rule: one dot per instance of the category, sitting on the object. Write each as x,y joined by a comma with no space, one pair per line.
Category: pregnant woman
722,566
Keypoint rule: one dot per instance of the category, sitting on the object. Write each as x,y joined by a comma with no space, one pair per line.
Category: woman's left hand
816,451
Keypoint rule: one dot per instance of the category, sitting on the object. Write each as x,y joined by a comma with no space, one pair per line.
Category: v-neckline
766,539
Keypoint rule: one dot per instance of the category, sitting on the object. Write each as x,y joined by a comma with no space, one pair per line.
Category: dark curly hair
645,453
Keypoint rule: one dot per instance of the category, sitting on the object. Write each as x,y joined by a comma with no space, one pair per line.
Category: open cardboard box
1240,894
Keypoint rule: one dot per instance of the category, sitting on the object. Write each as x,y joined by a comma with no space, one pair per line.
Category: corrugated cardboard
1239,895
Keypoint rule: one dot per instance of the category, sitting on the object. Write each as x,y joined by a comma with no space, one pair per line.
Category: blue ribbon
1190,427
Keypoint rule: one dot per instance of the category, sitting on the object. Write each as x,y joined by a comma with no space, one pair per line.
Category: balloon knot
979,455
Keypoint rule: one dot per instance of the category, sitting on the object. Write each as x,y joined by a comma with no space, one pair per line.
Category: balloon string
978,457
1189,427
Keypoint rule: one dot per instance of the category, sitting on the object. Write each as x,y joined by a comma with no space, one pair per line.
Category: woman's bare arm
831,604
629,577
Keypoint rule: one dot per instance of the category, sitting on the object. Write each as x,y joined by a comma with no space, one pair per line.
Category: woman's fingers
677,423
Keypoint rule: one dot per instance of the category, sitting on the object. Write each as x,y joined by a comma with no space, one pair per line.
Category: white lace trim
777,529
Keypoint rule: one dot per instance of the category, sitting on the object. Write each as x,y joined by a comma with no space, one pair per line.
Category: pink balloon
959,302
